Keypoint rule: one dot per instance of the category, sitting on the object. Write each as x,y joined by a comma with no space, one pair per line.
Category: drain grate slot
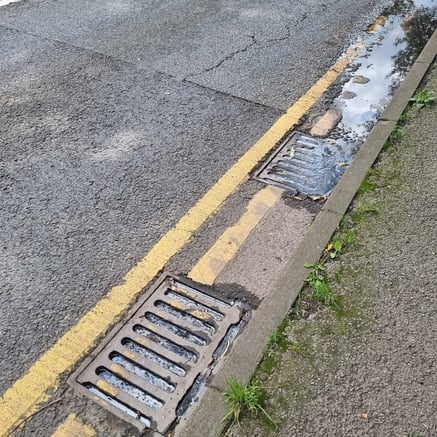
303,165
116,379
141,372
119,405
145,370
184,352
195,307
154,357
172,328
194,321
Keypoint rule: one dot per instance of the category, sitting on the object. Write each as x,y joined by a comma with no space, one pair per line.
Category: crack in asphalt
226,58
231,55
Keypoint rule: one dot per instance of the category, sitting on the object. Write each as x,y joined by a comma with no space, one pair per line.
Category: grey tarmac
115,118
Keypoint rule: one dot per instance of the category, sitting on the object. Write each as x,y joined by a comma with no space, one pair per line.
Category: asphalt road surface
116,117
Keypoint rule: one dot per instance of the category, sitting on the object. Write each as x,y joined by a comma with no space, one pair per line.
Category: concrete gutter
248,349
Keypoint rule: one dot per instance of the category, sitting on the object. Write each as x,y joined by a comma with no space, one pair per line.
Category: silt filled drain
148,371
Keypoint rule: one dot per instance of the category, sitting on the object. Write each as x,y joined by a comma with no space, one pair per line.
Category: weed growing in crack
276,344
363,209
422,99
317,280
298,347
396,132
241,399
334,248
367,185
277,340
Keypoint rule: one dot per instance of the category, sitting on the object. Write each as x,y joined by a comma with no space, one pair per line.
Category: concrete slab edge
248,349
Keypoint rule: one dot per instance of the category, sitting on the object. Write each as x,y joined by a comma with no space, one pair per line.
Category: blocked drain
303,165
148,371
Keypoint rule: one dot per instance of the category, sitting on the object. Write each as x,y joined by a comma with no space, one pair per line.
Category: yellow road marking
226,247
73,427
24,395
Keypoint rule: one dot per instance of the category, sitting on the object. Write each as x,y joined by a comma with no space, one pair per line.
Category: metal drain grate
145,370
303,165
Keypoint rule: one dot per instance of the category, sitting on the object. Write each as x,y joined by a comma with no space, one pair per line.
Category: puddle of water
392,46
378,71
6,2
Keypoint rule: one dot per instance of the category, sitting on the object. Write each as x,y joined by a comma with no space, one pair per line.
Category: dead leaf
343,164
316,197
329,246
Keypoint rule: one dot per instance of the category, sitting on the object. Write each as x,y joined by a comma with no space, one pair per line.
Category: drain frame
222,314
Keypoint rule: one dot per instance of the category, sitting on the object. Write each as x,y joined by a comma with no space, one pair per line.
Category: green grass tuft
241,399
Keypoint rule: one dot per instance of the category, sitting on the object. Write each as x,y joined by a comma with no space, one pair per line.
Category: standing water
313,166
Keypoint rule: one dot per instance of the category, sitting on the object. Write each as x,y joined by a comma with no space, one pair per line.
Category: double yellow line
23,397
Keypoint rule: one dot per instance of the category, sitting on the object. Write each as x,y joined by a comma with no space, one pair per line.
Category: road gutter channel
22,399
249,347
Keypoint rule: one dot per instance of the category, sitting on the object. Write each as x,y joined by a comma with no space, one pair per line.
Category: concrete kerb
248,349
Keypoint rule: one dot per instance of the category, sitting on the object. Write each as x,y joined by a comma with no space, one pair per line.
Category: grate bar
150,365
160,323
125,398
151,388
173,343
191,305
200,331
101,397
197,323
160,351
209,301
197,310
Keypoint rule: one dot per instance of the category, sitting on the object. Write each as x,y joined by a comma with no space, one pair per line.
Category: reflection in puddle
393,44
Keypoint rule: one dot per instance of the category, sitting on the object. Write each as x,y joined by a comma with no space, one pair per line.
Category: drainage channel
311,166
150,369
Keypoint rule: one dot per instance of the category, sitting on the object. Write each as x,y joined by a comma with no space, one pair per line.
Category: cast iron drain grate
145,370
304,165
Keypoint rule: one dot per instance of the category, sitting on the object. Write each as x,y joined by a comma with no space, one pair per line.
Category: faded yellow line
22,398
227,246
73,427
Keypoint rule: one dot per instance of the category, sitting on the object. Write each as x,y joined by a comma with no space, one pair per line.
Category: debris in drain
151,369
326,123
311,169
